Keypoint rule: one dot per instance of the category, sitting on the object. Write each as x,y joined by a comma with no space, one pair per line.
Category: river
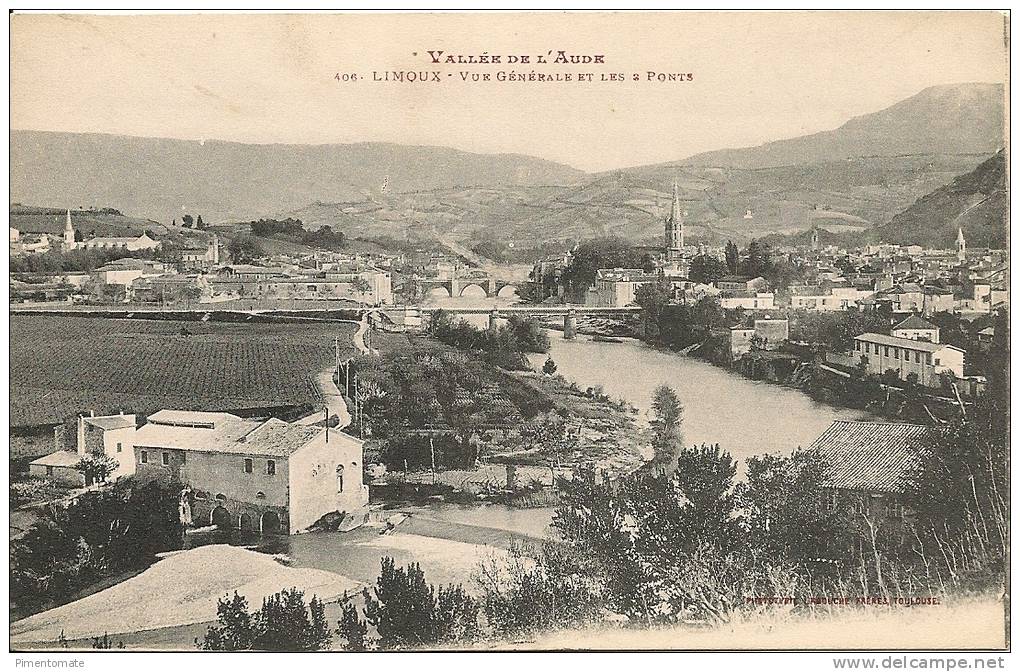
745,417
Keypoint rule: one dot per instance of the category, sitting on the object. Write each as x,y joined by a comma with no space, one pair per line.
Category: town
506,369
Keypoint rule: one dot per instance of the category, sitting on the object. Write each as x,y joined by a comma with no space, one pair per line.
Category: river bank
746,417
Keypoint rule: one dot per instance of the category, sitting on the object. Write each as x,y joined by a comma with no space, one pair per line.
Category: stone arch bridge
470,288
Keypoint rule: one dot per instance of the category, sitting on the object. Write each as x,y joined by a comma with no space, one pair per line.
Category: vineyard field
62,366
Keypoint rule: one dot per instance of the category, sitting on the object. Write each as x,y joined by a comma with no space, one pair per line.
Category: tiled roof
61,458
111,421
914,322
223,433
871,456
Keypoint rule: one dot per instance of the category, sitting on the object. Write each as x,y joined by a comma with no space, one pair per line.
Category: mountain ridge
943,119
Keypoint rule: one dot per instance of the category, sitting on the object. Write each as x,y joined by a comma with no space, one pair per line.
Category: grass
61,366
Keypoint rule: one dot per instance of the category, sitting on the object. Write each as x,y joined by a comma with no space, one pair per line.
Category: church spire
675,222
961,244
68,232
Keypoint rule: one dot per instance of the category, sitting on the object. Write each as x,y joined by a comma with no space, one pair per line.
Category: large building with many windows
256,475
928,361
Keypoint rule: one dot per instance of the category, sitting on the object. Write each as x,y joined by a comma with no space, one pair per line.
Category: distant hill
977,201
844,197
34,219
164,178
948,119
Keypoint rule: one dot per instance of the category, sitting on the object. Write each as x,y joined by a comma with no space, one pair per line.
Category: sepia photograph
516,331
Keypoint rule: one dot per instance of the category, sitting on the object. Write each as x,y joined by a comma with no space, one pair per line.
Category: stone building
110,435
257,475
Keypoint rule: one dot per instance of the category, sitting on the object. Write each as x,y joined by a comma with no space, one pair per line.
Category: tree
591,255
188,221
352,630
96,468
407,611
732,257
758,261
549,368
283,623
781,498
706,269
234,630
361,286
199,224
245,249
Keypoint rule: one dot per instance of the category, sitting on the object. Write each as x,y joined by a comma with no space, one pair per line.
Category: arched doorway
270,523
246,523
221,518
340,478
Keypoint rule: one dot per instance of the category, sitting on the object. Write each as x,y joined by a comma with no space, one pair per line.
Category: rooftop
111,421
61,458
223,433
871,456
909,344
915,322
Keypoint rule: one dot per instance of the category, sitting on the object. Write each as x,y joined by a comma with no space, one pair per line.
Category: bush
283,623
408,612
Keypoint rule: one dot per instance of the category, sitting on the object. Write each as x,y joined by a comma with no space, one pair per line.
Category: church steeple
961,245
69,243
675,225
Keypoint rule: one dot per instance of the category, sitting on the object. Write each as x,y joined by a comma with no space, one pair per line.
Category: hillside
977,201
948,119
158,177
840,196
32,219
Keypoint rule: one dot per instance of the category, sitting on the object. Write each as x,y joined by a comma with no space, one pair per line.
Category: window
936,361
120,446
887,351
166,459
830,500
49,471
927,358
340,478
917,357
249,466
895,353
893,509
271,467
145,457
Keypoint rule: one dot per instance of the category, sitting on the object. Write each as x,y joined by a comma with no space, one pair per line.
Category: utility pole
432,451
325,412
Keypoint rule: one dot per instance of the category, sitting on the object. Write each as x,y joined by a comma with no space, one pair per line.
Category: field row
64,365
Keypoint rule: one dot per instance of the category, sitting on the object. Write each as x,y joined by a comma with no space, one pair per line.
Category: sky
265,78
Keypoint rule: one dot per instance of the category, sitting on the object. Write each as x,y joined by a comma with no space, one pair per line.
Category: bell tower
674,238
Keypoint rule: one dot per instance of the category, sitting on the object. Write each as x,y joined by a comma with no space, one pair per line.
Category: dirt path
331,395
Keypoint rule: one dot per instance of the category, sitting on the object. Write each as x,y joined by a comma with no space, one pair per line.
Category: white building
916,329
259,475
110,435
906,356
